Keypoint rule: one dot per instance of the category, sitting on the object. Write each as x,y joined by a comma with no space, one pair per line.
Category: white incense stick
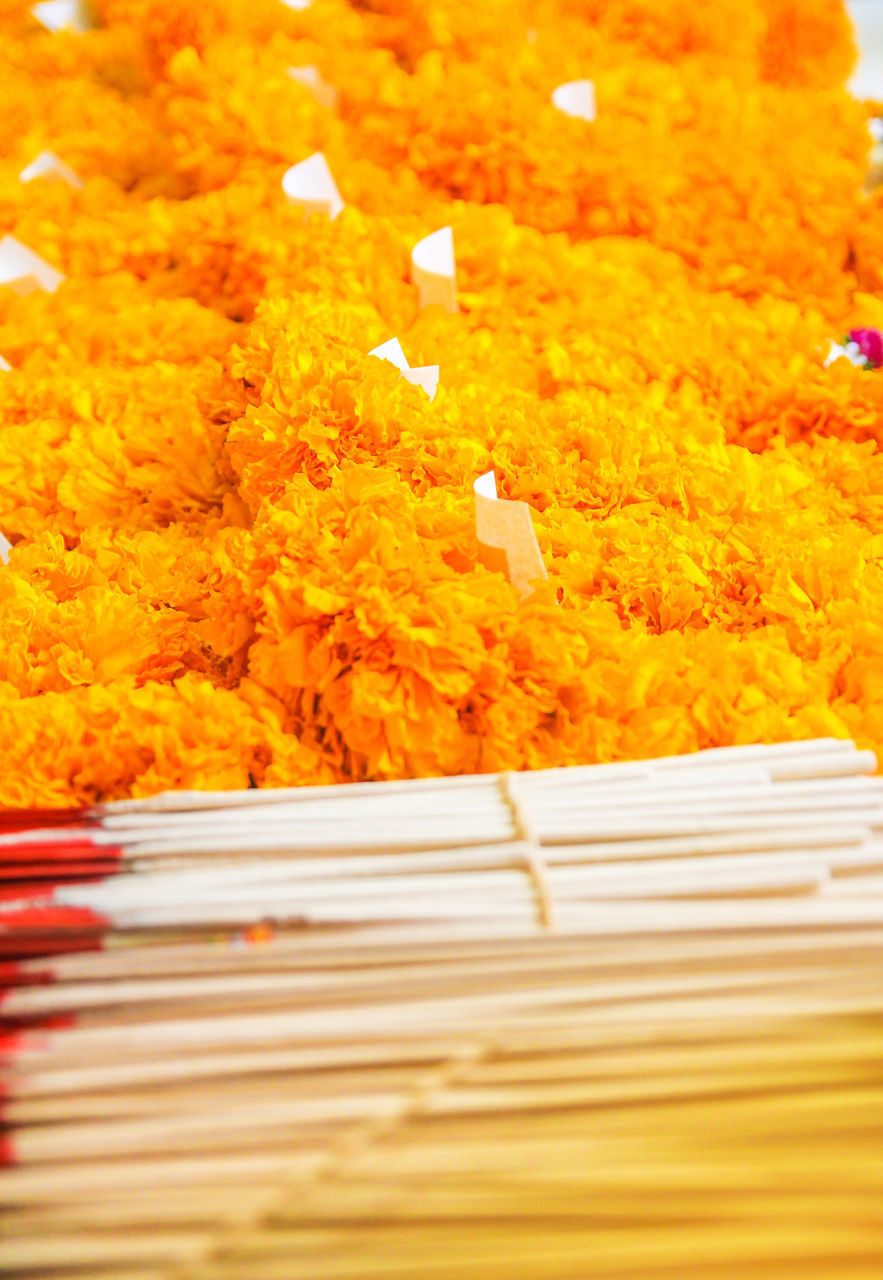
415,1055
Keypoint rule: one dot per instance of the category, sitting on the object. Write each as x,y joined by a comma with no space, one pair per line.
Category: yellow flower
244,550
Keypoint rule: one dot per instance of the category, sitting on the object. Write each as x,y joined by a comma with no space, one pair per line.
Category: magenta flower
870,344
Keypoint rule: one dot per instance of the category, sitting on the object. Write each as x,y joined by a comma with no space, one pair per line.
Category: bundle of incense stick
614,1021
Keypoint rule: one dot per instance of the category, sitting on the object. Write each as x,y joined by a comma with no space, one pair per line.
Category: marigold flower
244,551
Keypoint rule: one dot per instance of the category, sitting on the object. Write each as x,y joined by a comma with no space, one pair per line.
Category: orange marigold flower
244,551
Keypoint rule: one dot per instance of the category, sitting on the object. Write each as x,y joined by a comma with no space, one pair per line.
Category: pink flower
870,344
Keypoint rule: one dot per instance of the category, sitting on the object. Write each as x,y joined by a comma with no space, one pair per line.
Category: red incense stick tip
63,850
50,918
57,872
13,975
27,819
16,892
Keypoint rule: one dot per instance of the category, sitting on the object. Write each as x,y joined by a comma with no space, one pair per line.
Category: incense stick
414,1012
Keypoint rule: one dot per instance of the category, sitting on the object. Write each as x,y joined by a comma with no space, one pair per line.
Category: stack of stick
621,1021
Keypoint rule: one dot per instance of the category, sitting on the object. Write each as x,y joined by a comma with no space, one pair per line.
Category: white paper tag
506,539
63,15
426,376
5,366
434,271
311,186
5,548
325,94
576,98
866,82
47,165
486,486
24,271
391,351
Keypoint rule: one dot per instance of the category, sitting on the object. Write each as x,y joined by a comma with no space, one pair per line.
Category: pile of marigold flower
244,551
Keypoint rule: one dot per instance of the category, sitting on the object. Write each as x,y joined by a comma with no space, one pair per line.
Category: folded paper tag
391,350
576,98
297,5
866,18
5,548
507,542
47,165
25,271
325,94
63,15
433,269
426,376
5,366
311,186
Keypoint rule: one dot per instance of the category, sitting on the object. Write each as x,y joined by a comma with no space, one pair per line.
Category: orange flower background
244,551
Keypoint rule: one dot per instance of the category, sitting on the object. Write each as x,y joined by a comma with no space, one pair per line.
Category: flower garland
244,552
